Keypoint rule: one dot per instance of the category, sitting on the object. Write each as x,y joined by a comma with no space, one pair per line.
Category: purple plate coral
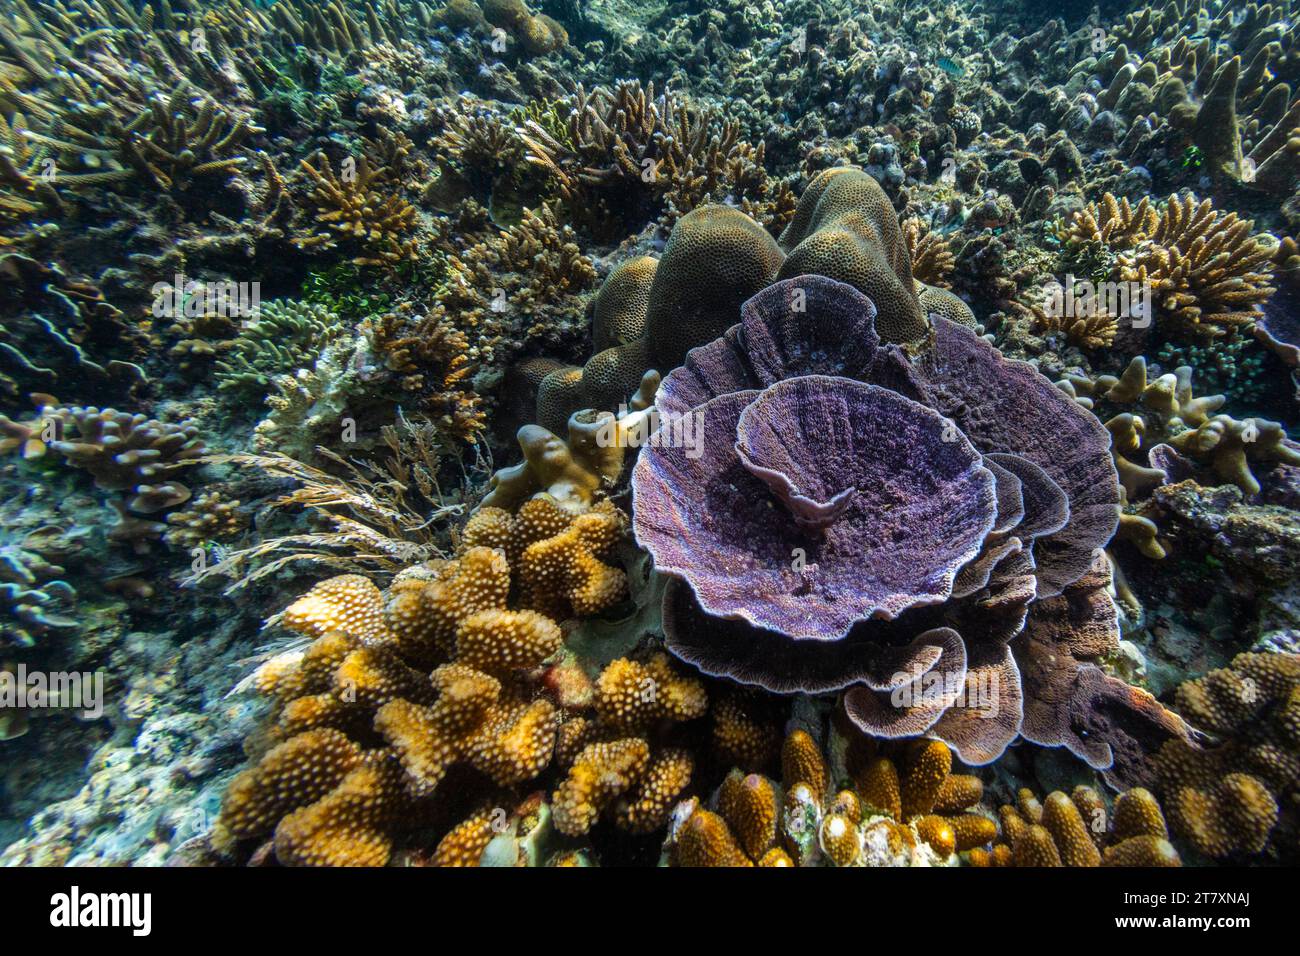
856,519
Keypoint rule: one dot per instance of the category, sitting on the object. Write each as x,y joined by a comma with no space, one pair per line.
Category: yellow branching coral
1228,798
368,732
359,210
558,557
615,772
746,729
1207,272
1112,223
646,807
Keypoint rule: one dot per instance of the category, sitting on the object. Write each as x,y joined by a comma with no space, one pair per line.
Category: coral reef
633,428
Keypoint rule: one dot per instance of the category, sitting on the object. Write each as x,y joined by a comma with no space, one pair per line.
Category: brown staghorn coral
1088,331
357,211
1207,272
902,806
1235,796
616,773
625,155
430,358
520,288
932,259
1077,831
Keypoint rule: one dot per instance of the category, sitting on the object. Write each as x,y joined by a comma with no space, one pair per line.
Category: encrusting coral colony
503,433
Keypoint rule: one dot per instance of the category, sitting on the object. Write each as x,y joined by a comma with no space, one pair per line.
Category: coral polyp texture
505,433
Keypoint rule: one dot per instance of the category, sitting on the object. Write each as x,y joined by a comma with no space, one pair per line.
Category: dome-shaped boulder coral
845,228
856,520
650,313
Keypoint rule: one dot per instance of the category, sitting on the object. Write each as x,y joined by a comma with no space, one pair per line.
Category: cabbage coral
923,533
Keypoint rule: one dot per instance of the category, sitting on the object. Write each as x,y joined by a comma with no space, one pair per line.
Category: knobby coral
1236,795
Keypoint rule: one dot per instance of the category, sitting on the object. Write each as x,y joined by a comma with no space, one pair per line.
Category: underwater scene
596,433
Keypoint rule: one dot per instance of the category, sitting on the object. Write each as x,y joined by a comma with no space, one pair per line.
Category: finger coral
905,807
1076,830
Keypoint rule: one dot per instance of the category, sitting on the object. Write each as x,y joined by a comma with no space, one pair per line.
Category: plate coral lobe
762,433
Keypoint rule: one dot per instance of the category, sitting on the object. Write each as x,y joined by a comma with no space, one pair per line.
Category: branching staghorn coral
1236,796
357,211
628,156
1207,272
479,143
430,356
169,142
519,288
